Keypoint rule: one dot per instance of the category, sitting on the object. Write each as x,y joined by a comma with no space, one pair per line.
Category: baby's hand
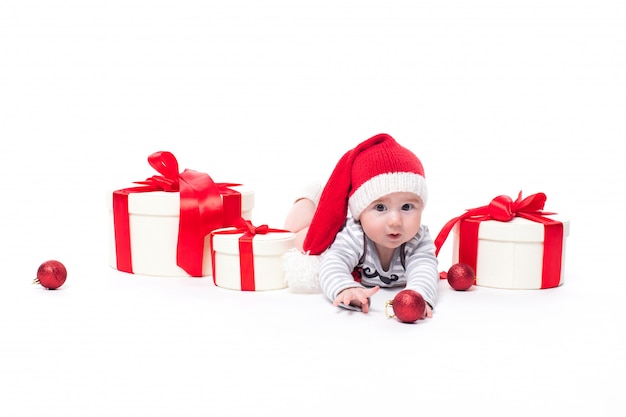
356,296
428,312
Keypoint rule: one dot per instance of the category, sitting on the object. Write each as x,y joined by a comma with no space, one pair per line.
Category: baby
383,243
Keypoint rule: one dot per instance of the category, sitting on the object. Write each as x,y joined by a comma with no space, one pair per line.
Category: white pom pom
301,271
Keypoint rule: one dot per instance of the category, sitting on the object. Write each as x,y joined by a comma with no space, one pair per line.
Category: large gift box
510,244
249,258
162,226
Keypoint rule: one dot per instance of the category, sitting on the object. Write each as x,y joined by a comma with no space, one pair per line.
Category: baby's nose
394,218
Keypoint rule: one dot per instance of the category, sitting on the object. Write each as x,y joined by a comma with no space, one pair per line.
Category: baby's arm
422,270
337,264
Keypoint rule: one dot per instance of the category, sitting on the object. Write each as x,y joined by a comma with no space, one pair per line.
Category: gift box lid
517,230
269,244
163,203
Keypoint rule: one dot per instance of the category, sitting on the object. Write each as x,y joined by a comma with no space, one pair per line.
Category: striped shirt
413,265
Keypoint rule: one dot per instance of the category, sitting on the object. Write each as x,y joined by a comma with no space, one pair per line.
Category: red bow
201,211
504,209
246,255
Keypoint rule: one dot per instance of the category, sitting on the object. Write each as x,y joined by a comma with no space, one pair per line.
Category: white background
493,96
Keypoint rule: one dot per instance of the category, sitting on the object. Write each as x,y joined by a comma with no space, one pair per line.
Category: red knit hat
374,168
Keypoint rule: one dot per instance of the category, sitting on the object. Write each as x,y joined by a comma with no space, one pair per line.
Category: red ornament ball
408,306
51,275
461,276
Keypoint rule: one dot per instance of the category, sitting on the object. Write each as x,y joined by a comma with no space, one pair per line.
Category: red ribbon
202,210
246,255
504,209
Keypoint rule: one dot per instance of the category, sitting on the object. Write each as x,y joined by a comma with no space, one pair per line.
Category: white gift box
510,254
267,252
154,221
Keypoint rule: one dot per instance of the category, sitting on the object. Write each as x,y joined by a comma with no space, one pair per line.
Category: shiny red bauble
461,276
51,275
408,306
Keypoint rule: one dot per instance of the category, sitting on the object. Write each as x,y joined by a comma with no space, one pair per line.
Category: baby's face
393,219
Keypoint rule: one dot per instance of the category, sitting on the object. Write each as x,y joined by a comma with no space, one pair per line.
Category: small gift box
162,227
510,244
249,258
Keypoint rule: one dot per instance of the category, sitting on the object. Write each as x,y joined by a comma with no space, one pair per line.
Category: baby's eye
379,207
407,206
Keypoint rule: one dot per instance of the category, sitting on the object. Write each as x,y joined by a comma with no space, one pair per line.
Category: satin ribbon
204,207
246,254
504,209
